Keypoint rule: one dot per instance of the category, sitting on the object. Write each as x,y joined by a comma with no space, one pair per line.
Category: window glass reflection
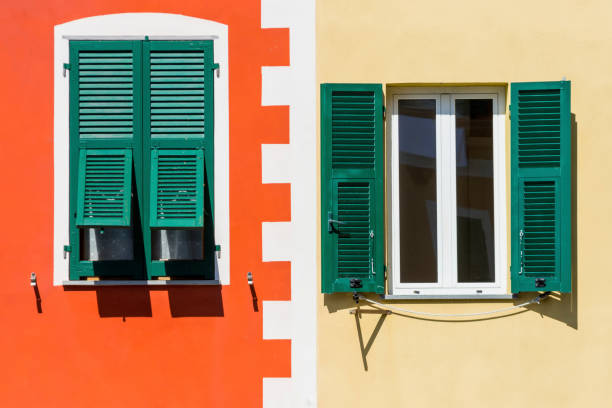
417,190
474,149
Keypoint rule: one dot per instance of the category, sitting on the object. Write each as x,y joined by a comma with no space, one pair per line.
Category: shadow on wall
135,301
561,307
564,307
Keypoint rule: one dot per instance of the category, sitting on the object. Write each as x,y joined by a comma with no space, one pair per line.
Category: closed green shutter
541,187
178,116
105,155
352,188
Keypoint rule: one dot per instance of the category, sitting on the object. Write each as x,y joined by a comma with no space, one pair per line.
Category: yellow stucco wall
557,354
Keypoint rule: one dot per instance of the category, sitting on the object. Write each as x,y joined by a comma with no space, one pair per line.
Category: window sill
442,297
141,283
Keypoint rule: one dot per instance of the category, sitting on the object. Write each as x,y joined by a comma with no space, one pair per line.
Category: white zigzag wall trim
293,163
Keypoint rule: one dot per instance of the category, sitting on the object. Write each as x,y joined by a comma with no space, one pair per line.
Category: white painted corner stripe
277,87
278,13
277,393
276,320
276,163
276,241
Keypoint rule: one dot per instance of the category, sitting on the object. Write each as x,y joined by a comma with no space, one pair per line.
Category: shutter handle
330,221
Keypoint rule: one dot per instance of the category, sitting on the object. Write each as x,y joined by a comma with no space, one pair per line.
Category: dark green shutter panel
352,188
105,144
177,93
104,187
541,186
177,188
106,90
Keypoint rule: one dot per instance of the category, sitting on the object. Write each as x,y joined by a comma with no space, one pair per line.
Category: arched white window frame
135,26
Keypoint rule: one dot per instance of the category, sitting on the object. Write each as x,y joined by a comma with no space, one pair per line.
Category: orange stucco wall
134,346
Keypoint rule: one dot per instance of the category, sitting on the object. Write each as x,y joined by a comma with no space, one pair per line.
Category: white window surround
446,188
136,26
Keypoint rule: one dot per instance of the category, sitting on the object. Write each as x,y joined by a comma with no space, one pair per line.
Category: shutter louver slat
541,186
177,112
354,242
353,129
104,188
177,188
105,91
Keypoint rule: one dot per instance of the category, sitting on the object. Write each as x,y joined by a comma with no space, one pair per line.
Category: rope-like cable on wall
536,299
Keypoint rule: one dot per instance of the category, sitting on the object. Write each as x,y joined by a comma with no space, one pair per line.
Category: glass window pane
107,244
417,190
474,144
177,244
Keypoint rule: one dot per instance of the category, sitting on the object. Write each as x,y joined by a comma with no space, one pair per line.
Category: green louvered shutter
105,147
352,188
178,119
541,186
177,188
104,187
179,102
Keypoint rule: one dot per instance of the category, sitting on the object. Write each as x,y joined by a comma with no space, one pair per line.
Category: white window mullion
452,195
445,261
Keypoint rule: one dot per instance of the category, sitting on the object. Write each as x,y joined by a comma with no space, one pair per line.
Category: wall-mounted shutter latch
218,251
216,68
67,248
66,67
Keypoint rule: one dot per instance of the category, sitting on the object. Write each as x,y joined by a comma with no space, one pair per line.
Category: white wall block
277,241
276,163
277,393
276,319
277,86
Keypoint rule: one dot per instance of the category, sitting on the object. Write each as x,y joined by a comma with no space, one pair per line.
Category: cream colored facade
556,354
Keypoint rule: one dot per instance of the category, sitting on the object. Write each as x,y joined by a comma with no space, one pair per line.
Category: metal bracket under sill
442,297
177,282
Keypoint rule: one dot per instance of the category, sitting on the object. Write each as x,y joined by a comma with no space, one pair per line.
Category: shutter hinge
521,236
218,251
67,248
66,67
509,111
217,68
384,112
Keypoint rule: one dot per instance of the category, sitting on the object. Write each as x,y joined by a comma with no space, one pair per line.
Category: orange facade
135,345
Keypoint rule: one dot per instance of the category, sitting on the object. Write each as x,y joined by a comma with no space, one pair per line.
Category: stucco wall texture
556,354
133,346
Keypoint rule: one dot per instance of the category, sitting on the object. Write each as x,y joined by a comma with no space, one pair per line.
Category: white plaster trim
276,163
277,241
277,392
276,314
295,241
155,25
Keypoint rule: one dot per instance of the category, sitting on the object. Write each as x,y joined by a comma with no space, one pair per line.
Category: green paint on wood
541,236
104,188
352,188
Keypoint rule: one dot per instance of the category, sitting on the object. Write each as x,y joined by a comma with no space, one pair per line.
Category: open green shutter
177,188
104,188
352,188
541,186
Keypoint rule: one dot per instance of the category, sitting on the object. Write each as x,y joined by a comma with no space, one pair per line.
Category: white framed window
446,196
